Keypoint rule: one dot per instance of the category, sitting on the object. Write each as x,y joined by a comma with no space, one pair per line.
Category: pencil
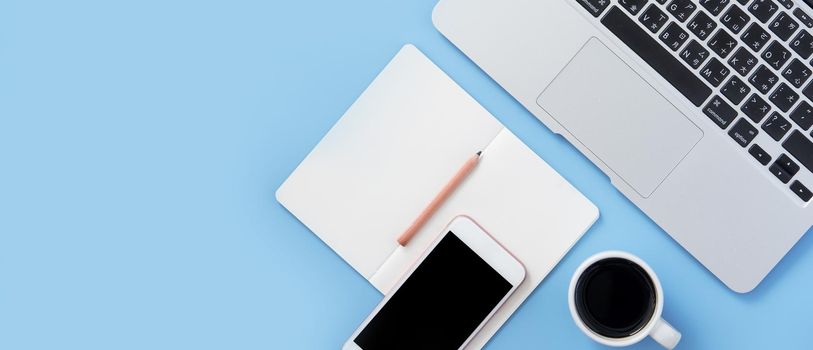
444,193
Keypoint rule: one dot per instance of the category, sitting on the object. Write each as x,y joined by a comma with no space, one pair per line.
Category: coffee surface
615,297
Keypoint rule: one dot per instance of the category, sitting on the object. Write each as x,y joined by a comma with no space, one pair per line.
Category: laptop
699,112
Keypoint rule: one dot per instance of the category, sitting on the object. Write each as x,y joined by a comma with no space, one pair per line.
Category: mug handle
665,334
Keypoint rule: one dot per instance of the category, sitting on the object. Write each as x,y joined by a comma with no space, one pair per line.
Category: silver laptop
699,112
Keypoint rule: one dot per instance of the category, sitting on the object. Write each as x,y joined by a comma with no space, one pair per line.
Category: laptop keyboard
744,63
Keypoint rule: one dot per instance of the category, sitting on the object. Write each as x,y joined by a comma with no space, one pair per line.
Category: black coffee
615,297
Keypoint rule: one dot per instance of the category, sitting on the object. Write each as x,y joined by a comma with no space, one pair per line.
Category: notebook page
386,158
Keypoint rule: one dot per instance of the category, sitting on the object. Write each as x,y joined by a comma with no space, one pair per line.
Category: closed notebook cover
396,147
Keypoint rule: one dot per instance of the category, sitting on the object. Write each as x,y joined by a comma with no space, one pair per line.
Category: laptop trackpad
619,117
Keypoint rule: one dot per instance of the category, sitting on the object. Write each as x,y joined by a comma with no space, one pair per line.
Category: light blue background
141,143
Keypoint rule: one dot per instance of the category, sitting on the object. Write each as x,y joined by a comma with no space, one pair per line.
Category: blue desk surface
141,143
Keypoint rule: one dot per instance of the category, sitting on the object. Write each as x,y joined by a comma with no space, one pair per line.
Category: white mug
656,327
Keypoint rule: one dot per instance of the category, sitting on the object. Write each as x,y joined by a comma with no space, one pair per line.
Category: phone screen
440,305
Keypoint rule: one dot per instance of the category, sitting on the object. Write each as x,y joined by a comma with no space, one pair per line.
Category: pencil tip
479,153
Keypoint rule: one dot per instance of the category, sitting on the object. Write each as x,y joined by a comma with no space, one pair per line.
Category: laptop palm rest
619,117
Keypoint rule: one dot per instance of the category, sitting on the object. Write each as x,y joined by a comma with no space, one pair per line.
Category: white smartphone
447,295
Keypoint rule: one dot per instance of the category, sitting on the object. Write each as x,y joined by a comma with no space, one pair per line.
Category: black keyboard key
742,61
759,154
742,2
783,26
735,19
661,1
714,6
735,90
743,132
803,17
656,56
714,72
653,18
755,108
681,9
633,6
786,3
784,97
763,79
780,173
673,36
755,37
763,9
694,54
801,191
796,73
595,7
702,25
802,44
788,164
799,146
802,115
722,44
719,112
776,126
776,55
808,91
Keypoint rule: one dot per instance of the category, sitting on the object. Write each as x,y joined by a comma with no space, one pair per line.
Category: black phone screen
440,304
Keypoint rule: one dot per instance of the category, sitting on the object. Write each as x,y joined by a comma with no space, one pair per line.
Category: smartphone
446,297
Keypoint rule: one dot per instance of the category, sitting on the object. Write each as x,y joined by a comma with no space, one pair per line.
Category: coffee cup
616,299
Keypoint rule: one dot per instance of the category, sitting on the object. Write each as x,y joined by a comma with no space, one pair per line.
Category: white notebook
396,147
